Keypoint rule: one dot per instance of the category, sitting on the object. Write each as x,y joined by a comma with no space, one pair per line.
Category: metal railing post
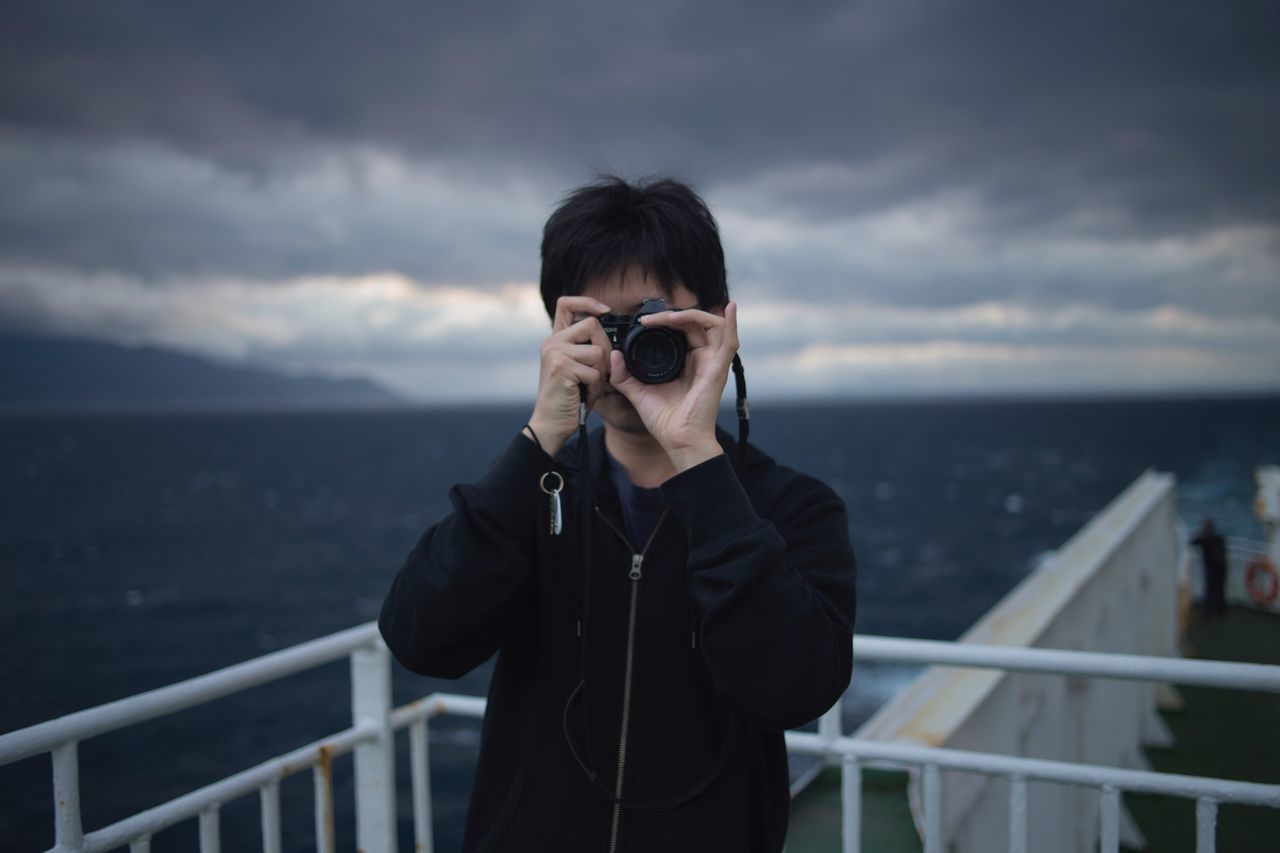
1017,814
374,758
323,790
851,802
1206,825
932,809
210,832
269,797
829,724
420,765
68,833
1109,815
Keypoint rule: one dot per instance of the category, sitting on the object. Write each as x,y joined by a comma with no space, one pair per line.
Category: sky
916,198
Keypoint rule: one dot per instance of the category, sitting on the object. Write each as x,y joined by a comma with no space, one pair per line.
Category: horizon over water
141,548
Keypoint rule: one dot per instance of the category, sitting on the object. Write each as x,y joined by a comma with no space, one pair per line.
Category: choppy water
138,550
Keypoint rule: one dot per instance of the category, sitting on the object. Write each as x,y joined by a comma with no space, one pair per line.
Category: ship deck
1233,734
1229,734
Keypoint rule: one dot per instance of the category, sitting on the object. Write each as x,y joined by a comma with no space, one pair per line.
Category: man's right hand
574,353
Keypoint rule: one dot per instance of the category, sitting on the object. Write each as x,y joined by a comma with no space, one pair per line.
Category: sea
140,549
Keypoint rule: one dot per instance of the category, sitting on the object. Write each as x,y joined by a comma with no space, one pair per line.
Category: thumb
619,377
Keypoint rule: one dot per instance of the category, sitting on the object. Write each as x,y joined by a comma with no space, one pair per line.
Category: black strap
586,502
744,413
534,436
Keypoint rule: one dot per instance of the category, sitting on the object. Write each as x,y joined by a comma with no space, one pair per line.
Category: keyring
542,483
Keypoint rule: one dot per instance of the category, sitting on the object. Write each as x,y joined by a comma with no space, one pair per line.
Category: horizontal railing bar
81,725
1202,673
435,704
1092,775
225,790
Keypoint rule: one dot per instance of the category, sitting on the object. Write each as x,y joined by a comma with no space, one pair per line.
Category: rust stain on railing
325,768
326,763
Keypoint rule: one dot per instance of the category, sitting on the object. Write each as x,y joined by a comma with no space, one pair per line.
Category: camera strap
744,413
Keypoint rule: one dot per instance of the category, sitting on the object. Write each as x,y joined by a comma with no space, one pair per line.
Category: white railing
854,753
371,738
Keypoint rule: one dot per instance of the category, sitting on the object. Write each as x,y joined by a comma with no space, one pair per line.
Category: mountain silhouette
38,372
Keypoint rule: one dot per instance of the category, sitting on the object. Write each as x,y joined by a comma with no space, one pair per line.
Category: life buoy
1261,581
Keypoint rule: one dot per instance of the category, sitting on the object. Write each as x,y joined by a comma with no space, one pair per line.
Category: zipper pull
636,560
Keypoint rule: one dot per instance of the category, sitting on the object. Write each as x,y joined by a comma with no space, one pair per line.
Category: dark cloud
924,156
1161,114
155,212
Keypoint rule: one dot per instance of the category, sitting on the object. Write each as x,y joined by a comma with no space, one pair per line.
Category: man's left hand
681,414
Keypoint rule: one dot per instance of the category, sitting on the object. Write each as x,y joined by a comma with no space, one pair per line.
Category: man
641,688
1213,556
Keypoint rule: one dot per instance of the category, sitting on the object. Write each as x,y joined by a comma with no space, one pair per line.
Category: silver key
555,514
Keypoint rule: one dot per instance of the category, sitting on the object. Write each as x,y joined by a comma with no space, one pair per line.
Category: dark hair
659,225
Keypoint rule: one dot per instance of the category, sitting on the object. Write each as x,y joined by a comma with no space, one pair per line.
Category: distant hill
73,373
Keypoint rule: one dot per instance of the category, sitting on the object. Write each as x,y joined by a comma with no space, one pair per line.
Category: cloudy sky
915,197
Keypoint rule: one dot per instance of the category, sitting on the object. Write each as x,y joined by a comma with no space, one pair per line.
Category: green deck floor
1230,734
886,817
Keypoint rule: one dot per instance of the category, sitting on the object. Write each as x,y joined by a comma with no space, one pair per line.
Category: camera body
653,355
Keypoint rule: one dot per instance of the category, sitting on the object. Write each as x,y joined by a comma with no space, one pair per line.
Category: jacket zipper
637,562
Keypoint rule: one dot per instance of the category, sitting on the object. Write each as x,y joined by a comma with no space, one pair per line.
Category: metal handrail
1244,543
853,753
82,725
375,721
199,801
1149,668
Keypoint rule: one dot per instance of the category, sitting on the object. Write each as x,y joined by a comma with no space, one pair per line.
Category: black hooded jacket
670,677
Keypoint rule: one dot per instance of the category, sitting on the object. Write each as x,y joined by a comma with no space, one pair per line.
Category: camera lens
655,355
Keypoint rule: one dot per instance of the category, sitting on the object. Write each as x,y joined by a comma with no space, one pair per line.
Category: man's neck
640,455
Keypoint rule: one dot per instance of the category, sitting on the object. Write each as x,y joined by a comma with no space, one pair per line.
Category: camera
653,355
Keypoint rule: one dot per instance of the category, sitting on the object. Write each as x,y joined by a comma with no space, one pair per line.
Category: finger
699,332
581,332
731,326
704,319
567,306
600,339
721,331
585,375
619,377
592,355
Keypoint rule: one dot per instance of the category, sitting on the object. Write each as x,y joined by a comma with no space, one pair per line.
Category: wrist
549,438
685,458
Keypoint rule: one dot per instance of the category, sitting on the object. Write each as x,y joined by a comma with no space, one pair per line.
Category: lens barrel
654,355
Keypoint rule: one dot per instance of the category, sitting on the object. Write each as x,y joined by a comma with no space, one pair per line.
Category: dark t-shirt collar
641,508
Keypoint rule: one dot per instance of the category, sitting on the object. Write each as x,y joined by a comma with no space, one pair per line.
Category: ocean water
137,550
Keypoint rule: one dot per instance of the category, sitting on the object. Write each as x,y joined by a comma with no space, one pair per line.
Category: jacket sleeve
777,596
447,610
